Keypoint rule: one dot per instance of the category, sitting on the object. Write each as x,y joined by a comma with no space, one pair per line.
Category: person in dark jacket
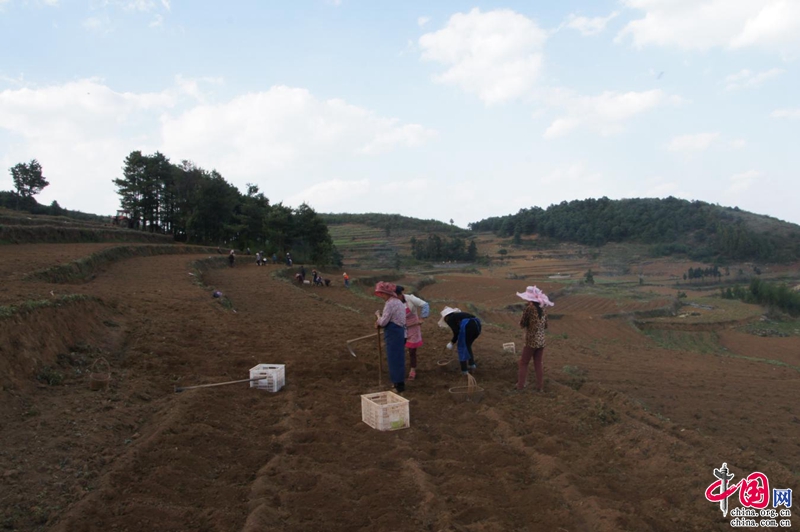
466,328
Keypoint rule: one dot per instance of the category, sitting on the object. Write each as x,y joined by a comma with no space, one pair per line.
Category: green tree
589,277
28,179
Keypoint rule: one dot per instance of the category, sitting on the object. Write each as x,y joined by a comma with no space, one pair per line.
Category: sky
446,110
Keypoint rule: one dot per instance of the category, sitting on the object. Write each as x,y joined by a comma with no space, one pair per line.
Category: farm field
639,408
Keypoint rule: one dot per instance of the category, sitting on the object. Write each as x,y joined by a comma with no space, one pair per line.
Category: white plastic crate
385,411
274,377
510,347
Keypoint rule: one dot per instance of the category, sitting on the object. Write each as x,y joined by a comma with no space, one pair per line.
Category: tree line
760,292
390,222
199,206
437,248
701,230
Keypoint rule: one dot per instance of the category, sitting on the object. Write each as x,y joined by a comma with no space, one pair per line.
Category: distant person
231,258
393,321
414,306
315,278
258,258
289,261
303,271
534,321
466,328
346,280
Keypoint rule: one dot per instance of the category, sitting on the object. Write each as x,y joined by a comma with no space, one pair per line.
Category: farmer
466,328
413,327
346,280
534,321
258,258
231,258
393,321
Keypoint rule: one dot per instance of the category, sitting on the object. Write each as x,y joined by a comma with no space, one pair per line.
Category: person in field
534,321
393,321
231,258
466,329
414,306
346,280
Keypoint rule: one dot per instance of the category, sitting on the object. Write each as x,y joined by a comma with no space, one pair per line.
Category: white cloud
738,144
589,26
422,21
280,128
81,131
575,176
692,143
792,113
138,5
745,79
157,21
166,5
496,55
704,24
99,24
328,196
743,181
605,113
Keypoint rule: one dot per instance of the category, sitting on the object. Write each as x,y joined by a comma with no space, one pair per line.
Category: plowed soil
625,436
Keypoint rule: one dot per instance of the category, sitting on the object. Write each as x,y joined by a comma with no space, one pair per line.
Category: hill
385,240
700,230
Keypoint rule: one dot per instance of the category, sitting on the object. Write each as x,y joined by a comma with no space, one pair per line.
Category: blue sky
447,110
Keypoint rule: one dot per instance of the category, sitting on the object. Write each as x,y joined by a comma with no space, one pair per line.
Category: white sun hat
445,312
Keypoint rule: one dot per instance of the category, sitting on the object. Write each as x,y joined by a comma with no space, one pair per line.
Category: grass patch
33,305
773,328
706,342
50,376
85,268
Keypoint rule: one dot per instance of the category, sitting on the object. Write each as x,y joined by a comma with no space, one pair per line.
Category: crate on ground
510,347
385,411
273,377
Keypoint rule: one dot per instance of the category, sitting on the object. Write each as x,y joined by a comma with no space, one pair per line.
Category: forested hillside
698,229
200,206
390,222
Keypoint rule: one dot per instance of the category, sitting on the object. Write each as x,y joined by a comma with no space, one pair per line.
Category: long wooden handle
362,338
179,389
380,361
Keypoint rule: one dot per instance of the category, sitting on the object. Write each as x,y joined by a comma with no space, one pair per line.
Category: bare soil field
625,437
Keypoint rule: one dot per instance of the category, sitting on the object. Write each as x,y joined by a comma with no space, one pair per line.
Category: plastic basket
510,348
274,377
385,411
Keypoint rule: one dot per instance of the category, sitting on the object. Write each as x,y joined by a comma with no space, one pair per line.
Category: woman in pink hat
534,321
393,321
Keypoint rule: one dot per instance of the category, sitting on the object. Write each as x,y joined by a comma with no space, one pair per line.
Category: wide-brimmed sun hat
445,312
384,287
535,294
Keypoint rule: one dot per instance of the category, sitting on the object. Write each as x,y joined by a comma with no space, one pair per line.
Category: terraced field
636,413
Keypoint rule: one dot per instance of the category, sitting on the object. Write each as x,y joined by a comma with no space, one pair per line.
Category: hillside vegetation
700,230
